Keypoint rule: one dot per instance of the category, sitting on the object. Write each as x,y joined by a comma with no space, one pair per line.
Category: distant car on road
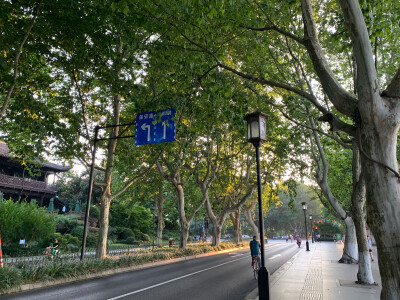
275,237
284,236
245,236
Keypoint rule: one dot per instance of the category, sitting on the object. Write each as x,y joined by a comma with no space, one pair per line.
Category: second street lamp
256,134
312,231
305,223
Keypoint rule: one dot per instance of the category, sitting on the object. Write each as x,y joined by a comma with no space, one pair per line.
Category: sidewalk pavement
316,274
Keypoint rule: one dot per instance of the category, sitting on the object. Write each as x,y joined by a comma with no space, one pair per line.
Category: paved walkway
316,274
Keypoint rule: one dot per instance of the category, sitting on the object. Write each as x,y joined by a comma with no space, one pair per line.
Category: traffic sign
153,127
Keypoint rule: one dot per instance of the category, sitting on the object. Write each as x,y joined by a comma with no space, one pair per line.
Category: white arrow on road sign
144,126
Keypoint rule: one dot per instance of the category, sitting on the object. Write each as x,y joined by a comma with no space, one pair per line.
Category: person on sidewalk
255,251
298,241
370,247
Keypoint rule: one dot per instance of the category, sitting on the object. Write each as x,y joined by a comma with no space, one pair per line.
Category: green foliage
72,187
131,220
329,228
124,233
77,231
131,241
10,278
92,239
66,223
283,217
24,220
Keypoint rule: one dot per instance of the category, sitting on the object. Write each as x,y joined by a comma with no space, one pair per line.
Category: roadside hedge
25,272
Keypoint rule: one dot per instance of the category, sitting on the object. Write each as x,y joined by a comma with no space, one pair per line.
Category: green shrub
142,236
94,211
66,223
131,241
91,239
10,278
72,248
77,231
25,220
112,233
124,233
73,239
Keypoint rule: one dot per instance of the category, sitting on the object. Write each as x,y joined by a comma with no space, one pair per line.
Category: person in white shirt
370,247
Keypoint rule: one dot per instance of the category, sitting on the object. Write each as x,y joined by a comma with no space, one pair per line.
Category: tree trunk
350,249
364,274
237,232
383,201
184,233
184,226
106,198
249,219
103,231
217,230
160,225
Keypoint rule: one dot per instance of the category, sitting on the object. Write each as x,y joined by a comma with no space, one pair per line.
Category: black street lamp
256,134
154,224
305,223
312,229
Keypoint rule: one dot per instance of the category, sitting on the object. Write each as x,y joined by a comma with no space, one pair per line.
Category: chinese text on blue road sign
153,127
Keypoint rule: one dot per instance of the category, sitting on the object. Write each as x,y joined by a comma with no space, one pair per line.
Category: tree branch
362,51
393,88
344,102
133,180
277,29
16,61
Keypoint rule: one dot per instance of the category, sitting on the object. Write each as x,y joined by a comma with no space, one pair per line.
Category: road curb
38,285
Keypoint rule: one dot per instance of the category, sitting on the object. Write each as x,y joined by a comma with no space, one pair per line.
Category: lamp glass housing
304,205
256,126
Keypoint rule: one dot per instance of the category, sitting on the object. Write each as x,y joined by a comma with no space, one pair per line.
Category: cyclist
255,251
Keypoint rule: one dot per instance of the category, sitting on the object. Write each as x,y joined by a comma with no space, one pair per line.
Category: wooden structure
17,183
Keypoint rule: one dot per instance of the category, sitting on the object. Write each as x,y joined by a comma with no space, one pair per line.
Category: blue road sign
153,127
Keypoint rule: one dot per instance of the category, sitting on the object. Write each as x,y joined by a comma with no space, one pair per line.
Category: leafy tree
346,50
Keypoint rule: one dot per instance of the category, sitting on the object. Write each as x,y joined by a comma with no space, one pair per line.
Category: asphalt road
223,276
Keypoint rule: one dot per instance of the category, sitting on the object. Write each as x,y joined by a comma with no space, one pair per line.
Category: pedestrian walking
370,247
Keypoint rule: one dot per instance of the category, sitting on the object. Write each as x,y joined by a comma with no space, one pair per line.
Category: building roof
5,152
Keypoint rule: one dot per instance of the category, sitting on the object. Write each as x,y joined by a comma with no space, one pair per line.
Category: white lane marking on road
275,256
175,279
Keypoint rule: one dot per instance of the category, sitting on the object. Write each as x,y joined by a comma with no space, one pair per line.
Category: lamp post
312,231
256,134
305,223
